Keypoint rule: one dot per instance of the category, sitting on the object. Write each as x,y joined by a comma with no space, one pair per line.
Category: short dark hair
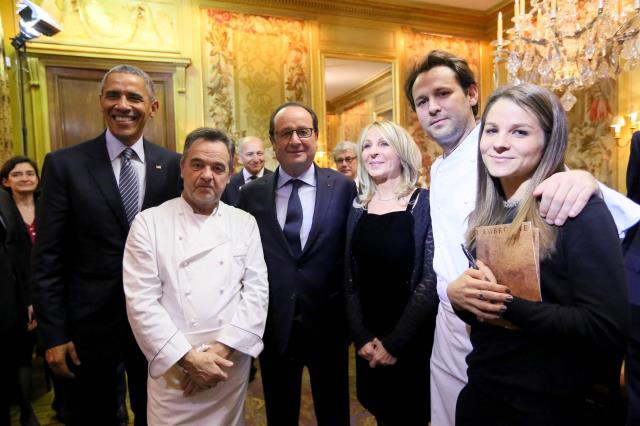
208,134
272,120
130,69
11,164
440,58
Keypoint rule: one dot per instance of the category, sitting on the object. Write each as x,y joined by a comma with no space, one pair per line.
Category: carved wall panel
144,25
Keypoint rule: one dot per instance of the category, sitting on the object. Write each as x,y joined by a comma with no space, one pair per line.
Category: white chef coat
191,279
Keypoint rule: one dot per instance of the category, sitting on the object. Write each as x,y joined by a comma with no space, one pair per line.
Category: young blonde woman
539,373
390,284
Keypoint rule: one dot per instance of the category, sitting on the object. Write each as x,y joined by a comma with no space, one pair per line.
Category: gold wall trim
368,86
433,18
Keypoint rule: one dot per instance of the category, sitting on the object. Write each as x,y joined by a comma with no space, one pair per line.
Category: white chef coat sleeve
625,212
162,343
244,332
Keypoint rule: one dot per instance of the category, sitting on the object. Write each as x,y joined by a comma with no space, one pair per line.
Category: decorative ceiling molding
427,17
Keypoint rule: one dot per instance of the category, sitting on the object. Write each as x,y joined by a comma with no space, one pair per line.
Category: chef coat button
188,292
185,264
180,238
222,262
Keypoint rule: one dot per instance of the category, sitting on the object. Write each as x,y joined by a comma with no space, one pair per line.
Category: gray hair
344,146
130,69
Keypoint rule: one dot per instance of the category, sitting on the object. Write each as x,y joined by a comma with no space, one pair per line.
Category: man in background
251,156
90,194
344,155
301,211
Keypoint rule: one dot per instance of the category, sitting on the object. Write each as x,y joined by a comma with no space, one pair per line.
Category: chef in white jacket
196,288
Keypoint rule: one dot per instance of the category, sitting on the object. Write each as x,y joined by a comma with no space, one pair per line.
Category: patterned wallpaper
6,145
591,144
252,64
354,119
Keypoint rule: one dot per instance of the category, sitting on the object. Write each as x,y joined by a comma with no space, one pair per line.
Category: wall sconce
633,121
617,124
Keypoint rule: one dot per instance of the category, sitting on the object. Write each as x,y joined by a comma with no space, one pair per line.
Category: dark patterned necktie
293,222
253,177
128,185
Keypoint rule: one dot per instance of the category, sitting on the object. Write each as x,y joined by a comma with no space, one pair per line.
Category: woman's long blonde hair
410,161
490,209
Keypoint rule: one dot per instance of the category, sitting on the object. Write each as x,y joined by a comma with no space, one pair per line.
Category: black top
383,248
577,330
422,303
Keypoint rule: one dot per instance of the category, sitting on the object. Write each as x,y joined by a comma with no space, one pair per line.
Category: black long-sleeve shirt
576,332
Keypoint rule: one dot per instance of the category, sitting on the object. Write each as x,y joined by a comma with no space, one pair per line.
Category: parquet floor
254,405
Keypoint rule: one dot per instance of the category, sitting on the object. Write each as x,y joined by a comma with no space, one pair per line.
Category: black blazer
312,281
14,265
231,193
82,229
420,313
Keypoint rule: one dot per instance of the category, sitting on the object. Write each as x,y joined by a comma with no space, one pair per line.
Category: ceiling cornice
425,17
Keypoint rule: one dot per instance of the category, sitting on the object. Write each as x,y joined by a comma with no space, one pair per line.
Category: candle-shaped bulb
500,29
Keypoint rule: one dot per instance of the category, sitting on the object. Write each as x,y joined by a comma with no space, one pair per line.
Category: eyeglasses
345,160
303,133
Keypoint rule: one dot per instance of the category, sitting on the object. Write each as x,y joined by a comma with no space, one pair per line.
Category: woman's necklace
510,204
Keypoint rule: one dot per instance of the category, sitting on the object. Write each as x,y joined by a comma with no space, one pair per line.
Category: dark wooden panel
74,107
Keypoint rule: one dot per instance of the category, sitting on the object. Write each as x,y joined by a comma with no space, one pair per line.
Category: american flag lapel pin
158,166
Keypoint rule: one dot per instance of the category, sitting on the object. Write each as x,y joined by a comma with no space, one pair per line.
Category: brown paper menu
514,264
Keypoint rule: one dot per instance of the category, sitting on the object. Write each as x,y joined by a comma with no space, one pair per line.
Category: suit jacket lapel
272,212
155,172
99,166
324,195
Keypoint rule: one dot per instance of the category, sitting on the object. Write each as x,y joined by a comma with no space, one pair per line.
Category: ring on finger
481,296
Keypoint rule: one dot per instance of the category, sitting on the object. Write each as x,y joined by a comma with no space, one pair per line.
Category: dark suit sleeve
597,313
49,286
422,304
633,169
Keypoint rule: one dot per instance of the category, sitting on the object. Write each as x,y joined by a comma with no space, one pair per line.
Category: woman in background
390,284
539,373
19,176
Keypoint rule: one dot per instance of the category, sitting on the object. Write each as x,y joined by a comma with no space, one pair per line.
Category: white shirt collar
115,147
308,177
246,175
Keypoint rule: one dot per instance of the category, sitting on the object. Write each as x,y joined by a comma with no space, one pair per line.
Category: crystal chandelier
567,45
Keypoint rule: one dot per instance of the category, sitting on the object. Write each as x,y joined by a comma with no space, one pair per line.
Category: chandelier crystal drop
567,45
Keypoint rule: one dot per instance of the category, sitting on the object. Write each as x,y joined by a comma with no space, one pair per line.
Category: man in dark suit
631,248
14,273
251,156
301,211
90,194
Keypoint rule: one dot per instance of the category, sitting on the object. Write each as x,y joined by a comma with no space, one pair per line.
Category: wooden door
74,107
